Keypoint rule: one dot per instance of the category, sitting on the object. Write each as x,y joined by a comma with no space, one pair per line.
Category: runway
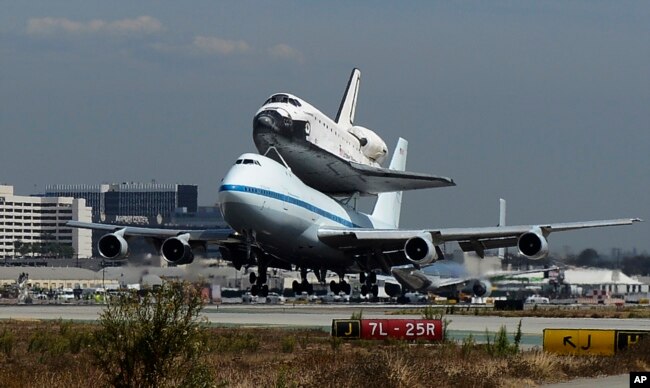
320,316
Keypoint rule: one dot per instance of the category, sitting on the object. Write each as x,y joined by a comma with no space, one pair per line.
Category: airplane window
279,98
268,101
258,163
238,161
249,161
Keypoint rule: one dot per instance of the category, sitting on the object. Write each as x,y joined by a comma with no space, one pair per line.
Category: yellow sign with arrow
580,341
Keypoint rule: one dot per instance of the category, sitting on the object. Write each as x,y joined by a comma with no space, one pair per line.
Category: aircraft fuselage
264,200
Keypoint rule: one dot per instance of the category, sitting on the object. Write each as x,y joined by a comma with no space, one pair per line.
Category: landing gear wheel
264,291
335,287
262,278
372,278
297,288
362,277
346,288
375,290
364,290
252,277
255,289
306,286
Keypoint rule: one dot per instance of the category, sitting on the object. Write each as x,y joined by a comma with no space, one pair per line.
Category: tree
154,340
587,258
66,250
24,249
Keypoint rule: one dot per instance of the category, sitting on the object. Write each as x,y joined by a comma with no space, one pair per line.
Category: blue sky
545,104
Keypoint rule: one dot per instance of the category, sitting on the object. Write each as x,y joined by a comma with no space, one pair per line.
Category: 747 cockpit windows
248,161
283,99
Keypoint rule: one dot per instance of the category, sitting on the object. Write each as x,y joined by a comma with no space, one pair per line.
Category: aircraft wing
217,236
362,241
336,176
373,180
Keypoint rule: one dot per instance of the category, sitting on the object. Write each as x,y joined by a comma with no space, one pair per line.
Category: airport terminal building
143,204
132,203
33,220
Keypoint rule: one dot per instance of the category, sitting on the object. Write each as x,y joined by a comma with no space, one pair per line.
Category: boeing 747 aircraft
336,157
449,275
280,221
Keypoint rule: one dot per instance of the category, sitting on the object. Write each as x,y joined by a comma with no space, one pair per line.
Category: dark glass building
132,203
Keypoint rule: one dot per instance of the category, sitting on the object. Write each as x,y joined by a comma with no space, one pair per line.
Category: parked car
536,299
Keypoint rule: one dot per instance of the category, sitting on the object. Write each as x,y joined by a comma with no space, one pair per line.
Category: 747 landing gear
259,286
341,286
304,285
369,285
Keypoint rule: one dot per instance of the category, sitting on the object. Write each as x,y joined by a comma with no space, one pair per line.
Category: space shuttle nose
266,123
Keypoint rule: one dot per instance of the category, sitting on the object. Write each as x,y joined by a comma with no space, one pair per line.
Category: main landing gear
259,286
340,286
369,284
303,285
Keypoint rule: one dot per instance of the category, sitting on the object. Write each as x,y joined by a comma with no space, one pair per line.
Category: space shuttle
336,157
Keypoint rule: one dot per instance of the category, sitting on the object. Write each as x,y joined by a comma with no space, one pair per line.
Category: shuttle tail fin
345,116
389,205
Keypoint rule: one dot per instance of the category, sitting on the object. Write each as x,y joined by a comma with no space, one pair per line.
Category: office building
132,203
29,222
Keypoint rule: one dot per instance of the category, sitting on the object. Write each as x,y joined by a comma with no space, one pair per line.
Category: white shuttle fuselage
336,156
288,122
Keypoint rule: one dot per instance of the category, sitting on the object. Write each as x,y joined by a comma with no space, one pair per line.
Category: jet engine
113,246
482,288
393,290
533,245
371,144
420,250
177,250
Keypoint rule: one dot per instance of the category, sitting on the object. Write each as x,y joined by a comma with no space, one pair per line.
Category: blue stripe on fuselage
290,200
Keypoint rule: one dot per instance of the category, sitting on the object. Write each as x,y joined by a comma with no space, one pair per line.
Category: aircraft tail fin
345,116
389,205
502,222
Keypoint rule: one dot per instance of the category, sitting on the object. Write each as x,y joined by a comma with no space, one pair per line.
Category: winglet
389,205
347,109
501,253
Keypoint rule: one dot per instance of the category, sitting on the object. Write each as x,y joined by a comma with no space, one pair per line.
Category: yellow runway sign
580,342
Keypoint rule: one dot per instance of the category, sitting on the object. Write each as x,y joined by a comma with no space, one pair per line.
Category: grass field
58,354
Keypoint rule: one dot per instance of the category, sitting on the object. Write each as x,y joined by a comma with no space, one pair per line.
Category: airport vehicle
280,221
536,299
275,298
336,157
449,275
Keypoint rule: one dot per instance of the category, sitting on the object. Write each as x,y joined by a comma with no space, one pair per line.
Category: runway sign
580,342
590,342
627,338
346,328
404,329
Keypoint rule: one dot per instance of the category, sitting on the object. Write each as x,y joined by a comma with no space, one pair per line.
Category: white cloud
215,45
49,26
285,52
